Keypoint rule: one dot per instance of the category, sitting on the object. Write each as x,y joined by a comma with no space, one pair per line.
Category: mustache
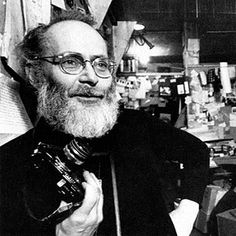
86,91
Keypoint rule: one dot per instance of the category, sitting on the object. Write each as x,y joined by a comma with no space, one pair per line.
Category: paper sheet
14,119
59,3
19,18
36,12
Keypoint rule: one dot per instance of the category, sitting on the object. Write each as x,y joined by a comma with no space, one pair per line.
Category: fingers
93,199
87,217
93,192
88,175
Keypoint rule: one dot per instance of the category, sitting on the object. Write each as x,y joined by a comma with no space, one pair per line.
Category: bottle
122,65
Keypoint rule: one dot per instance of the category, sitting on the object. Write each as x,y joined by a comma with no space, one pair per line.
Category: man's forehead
71,35
69,25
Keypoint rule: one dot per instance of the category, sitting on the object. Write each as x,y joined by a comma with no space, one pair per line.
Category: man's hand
184,217
85,220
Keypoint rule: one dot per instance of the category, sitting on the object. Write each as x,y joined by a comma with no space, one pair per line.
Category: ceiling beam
99,9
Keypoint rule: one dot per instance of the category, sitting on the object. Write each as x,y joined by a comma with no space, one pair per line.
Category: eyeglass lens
73,64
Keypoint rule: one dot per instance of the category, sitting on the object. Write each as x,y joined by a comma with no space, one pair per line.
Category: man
68,64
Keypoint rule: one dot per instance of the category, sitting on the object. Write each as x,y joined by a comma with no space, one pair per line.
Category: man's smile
88,98
86,94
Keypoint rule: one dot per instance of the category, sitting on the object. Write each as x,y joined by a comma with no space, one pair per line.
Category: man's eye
102,64
71,63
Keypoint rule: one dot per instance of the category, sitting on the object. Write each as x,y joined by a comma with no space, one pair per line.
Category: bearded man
68,64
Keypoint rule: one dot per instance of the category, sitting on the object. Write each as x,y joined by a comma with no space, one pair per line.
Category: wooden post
120,38
191,45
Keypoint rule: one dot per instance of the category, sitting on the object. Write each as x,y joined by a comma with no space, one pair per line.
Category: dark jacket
139,144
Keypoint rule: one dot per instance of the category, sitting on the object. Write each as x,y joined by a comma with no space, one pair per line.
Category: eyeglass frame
57,60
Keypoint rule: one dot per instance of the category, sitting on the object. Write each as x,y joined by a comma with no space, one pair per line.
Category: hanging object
138,27
141,40
224,77
81,5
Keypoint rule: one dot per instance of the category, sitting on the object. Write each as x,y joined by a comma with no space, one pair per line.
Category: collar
45,133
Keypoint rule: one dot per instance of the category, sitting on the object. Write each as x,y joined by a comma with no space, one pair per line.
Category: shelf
150,74
225,160
217,65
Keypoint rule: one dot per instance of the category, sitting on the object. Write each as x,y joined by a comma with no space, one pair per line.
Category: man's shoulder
135,120
137,124
17,145
133,116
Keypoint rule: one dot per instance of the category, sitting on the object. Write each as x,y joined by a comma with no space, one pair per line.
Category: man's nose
88,75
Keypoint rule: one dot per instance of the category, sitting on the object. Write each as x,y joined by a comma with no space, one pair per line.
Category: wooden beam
191,43
120,38
99,9
2,23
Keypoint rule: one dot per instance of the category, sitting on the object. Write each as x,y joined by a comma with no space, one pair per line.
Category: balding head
35,42
75,36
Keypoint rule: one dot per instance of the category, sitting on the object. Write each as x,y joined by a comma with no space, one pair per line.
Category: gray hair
35,42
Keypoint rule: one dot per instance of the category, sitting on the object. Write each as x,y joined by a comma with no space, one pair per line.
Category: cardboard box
211,197
226,222
201,222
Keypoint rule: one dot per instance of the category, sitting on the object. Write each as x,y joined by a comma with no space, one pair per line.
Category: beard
63,110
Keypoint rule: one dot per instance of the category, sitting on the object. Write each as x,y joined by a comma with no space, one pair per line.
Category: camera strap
115,196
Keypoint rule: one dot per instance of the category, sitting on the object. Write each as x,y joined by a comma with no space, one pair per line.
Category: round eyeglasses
74,63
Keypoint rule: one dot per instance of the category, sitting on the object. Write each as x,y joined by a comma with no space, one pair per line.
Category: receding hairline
66,22
56,28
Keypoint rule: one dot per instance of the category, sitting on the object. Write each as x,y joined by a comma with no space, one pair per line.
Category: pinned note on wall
20,17
14,119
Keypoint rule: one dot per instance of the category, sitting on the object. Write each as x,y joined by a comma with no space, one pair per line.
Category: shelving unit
163,99
152,74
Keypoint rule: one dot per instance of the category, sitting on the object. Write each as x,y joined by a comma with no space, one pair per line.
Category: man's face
82,104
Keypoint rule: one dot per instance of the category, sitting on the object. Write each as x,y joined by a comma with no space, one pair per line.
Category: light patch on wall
159,51
143,54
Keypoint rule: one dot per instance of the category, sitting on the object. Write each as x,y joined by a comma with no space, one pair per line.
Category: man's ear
27,70
30,72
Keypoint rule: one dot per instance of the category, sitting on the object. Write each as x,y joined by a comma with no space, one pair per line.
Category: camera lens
77,151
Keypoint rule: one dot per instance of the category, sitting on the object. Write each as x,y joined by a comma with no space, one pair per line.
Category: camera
65,164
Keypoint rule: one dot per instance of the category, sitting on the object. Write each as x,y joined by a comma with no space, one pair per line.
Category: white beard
74,117
90,121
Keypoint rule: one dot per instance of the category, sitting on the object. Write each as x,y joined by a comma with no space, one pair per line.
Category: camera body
66,167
